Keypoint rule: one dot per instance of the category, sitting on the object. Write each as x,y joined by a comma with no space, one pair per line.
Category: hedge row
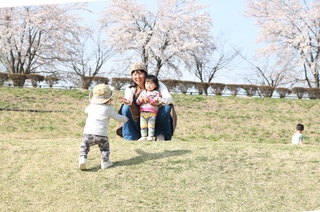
173,86
234,89
19,79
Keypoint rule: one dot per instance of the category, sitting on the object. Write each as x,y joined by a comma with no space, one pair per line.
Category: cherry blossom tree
291,27
34,38
158,38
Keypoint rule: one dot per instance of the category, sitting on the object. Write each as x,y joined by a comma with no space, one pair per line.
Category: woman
166,118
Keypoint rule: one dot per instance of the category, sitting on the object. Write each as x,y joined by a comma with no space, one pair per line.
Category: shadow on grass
143,157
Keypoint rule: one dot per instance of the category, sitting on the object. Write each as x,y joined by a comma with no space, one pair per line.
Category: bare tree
274,72
161,38
291,27
207,61
87,60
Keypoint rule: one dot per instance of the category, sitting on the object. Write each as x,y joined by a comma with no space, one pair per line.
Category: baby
96,129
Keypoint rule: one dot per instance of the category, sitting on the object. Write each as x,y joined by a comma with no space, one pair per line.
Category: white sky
226,15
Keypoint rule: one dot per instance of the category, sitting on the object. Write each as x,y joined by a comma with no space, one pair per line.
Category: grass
227,154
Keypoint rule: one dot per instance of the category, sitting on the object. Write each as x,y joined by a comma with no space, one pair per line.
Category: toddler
96,128
148,110
297,137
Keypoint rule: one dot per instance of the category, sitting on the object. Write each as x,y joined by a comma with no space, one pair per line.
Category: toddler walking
96,128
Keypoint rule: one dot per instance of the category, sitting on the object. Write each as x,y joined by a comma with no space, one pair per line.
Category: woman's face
138,77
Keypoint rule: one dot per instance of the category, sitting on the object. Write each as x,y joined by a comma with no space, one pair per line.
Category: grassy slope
228,154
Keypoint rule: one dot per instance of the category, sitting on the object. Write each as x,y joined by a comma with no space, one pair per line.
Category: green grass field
227,154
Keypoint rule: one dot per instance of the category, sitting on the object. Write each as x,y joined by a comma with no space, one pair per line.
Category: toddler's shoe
150,138
105,165
82,163
142,139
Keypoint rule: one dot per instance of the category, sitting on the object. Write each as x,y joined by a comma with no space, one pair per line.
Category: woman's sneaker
105,165
149,138
160,138
82,163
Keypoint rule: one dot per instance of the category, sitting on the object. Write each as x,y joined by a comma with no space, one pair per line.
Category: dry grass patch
258,120
227,154
167,176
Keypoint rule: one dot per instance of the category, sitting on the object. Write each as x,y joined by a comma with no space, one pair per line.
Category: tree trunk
316,80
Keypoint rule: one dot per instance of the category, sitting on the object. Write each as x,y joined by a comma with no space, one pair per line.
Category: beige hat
100,94
138,66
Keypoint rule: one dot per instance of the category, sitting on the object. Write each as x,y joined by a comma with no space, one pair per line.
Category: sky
226,16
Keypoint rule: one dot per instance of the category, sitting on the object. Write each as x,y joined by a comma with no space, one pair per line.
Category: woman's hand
159,101
124,100
156,102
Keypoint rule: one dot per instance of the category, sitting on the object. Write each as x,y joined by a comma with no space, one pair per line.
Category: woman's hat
138,66
100,94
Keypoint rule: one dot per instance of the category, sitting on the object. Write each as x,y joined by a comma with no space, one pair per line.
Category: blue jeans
131,129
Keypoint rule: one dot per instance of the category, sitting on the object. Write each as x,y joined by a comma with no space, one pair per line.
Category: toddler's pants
89,140
147,123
